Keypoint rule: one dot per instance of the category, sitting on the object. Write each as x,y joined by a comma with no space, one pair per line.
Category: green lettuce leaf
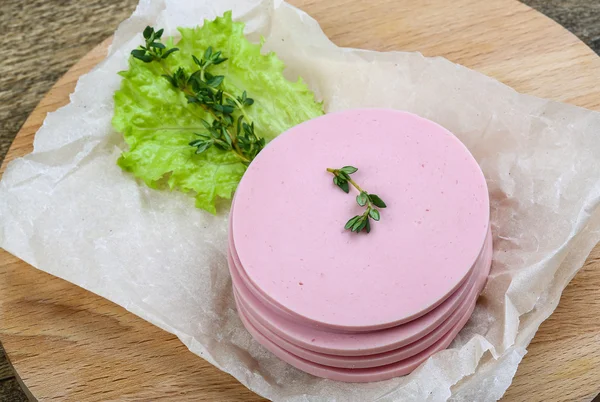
158,123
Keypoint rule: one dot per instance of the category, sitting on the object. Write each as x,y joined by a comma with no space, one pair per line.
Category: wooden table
68,344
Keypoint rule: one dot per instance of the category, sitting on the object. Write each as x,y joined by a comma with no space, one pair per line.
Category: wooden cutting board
68,344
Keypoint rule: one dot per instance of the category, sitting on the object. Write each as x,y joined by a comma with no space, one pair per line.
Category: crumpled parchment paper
69,210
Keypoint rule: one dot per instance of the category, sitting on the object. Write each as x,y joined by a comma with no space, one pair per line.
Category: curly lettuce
158,123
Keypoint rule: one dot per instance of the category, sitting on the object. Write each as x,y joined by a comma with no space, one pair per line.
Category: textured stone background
43,38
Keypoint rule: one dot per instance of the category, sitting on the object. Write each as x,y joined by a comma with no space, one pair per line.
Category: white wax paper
69,210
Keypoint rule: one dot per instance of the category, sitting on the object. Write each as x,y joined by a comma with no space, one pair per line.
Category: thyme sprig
203,89
342,179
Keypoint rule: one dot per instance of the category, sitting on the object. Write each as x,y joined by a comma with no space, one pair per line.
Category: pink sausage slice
288,219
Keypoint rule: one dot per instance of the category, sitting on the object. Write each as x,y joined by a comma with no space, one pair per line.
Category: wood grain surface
69,344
